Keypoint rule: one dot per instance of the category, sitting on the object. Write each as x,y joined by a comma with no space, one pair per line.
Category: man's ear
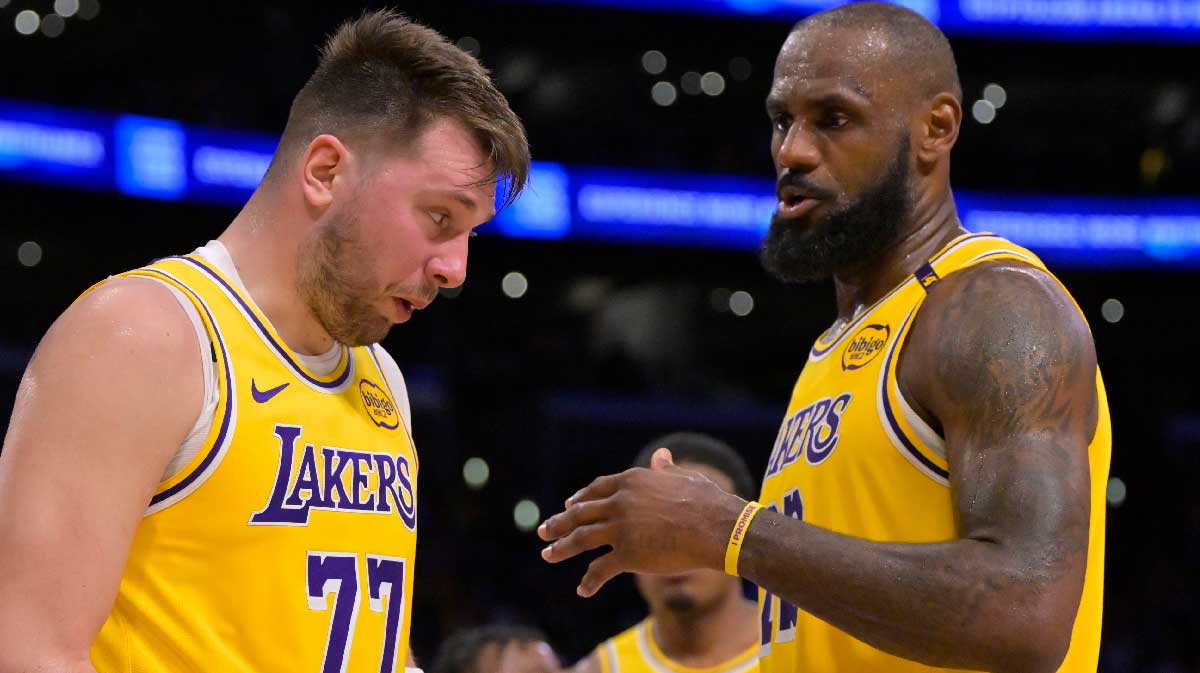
937,131
325,160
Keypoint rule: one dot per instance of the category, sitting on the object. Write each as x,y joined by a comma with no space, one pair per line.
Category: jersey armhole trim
606,654
404,422
929,460
216,445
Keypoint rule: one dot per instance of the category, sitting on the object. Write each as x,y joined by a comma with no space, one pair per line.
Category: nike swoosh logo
261,396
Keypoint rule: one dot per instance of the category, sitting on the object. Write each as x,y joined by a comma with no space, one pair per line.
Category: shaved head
894,38
865,106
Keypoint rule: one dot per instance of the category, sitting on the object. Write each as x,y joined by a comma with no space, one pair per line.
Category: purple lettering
306,480
334,464
824,441
804,419
275,511
793,505
407,506
358,482
386,469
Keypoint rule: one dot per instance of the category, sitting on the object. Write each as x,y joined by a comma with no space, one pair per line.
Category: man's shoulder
139,310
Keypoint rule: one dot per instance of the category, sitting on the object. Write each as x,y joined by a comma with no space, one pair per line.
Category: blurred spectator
496,648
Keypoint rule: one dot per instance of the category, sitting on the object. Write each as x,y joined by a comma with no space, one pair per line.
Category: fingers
661,459
580,540
575,516
599,572
601,487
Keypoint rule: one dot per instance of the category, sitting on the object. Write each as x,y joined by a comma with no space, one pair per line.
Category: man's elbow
1040,642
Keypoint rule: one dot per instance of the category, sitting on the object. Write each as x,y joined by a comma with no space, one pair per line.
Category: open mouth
796,205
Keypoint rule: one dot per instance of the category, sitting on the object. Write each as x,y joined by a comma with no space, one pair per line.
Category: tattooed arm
1002,363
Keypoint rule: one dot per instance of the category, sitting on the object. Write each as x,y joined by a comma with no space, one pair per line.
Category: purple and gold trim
267,333
404,422
900,438
822,347
192,479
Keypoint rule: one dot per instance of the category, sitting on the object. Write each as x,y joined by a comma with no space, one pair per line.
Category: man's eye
835,121
781,122
439,219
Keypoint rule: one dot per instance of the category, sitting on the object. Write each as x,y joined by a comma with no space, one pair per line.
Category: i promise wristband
738,535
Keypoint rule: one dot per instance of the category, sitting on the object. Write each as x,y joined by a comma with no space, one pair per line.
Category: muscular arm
1001,360
108,397
1003,364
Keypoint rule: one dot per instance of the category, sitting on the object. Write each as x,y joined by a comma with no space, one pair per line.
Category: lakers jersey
287,543
635,651
854,458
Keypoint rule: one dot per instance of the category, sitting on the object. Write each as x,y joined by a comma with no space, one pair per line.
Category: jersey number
334,573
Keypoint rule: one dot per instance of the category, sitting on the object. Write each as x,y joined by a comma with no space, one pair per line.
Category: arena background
593,321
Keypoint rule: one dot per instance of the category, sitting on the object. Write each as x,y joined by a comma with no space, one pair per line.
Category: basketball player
936,492
496,648
700,621
209,466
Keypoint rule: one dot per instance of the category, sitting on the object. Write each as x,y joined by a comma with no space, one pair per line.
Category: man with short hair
935,497
209,464
496,648
699,621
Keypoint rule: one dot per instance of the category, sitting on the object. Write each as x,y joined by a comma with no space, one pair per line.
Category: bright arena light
654,62
712,83
1116,492
476,473
664,93
27,22
983,112
66,8
741,303
526,515
514,285
29,253
1112,310
996,95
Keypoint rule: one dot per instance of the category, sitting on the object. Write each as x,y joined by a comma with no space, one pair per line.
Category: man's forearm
963,604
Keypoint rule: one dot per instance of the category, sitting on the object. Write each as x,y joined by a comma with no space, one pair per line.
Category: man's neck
702,639
933,226
265,250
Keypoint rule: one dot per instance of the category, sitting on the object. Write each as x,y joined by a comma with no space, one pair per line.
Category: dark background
613,345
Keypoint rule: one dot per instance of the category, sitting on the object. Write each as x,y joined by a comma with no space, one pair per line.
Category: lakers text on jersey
287,544
852,456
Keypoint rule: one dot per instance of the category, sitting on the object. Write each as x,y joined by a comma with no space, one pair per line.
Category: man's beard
796,252
334,285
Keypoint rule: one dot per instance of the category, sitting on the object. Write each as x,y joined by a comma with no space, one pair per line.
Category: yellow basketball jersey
635,651
287,544
853,457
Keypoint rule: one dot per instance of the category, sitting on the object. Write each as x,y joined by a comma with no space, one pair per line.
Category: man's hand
662,520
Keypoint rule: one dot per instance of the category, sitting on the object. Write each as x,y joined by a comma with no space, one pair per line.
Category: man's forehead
855,58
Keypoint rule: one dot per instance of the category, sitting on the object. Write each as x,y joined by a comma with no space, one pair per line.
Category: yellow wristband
738,535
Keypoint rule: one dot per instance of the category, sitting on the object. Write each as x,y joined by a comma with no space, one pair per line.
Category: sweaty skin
999,361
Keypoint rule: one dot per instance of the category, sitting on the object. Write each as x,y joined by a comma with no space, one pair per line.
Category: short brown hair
383,76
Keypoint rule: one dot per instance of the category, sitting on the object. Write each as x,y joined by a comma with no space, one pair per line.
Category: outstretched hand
662,520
